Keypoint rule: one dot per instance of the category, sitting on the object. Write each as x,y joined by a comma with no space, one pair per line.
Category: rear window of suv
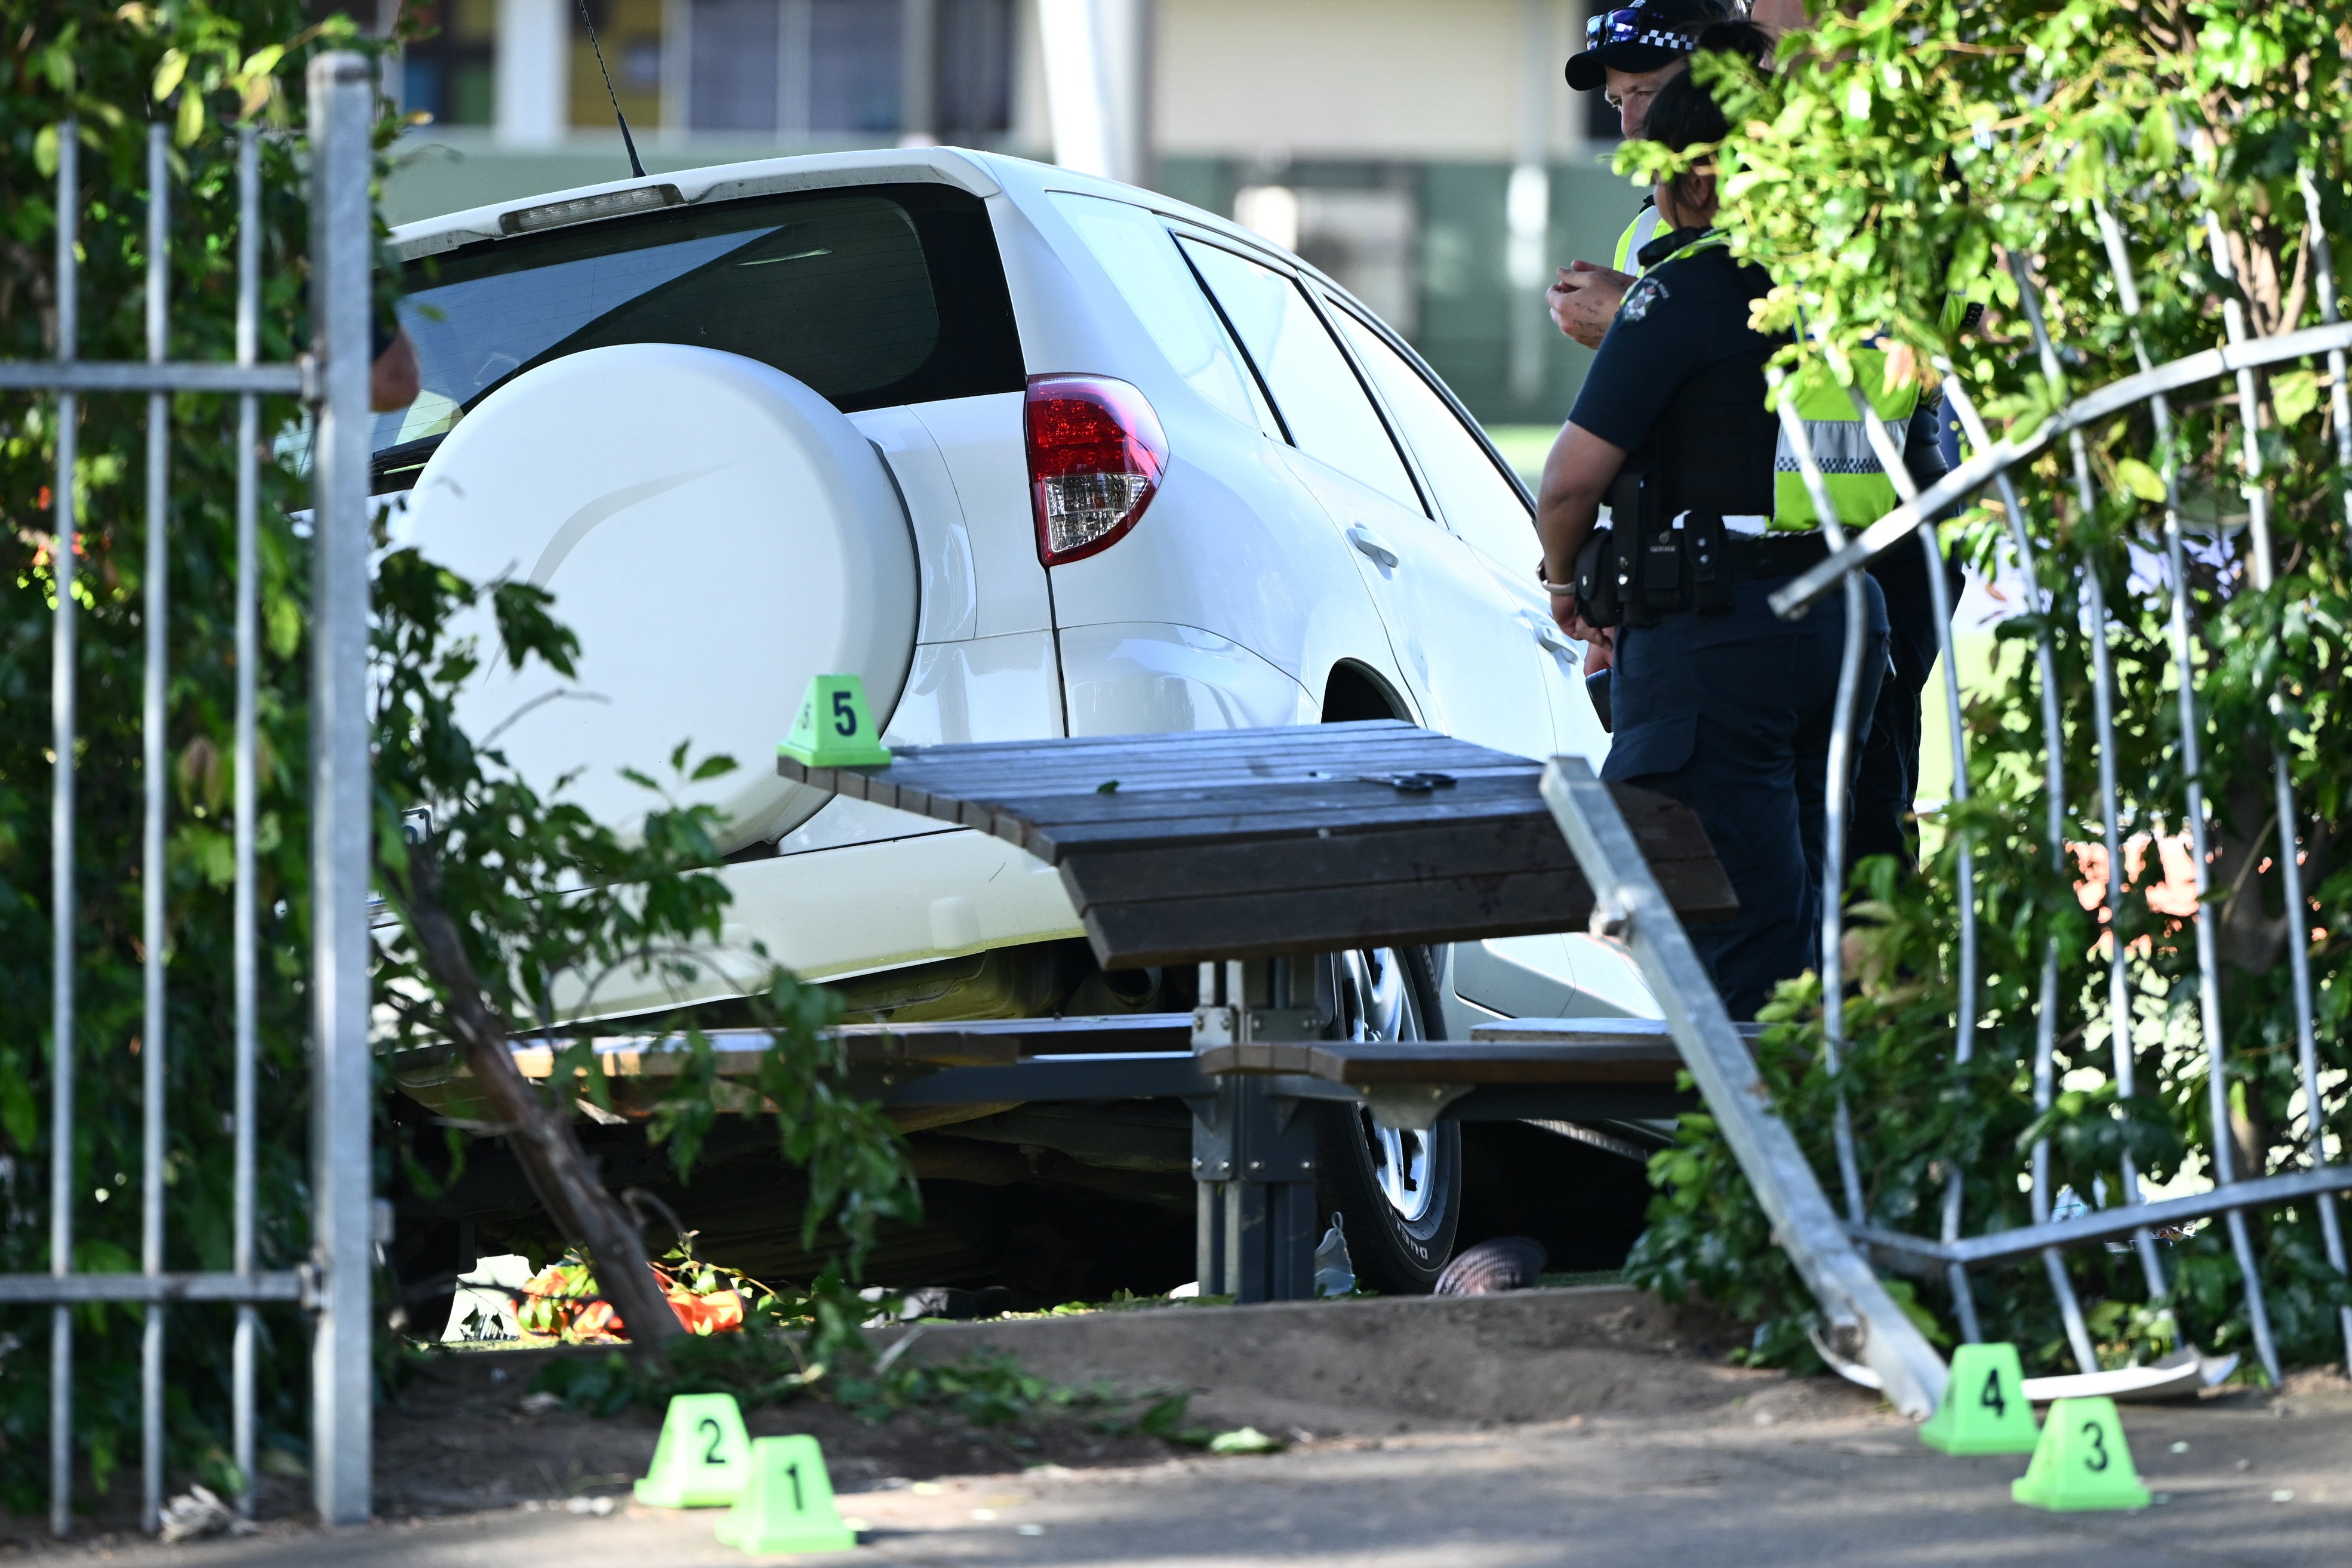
874,296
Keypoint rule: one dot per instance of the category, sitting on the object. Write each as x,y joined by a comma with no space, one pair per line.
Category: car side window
1480,502
1329,416
1141,258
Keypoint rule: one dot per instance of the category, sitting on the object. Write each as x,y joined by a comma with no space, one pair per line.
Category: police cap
1640,38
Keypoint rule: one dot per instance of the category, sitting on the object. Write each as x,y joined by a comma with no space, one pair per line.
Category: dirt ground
1557,1426
464,1435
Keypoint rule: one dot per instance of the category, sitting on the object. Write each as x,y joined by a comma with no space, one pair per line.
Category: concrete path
2258,1482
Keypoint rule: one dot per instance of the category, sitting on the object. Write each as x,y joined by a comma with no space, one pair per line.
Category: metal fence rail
1993,464
335,1282
1863,1323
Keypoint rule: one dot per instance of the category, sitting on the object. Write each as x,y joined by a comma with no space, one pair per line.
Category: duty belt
1629,574
1774,554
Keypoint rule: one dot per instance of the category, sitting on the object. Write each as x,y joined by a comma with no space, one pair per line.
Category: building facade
1425,153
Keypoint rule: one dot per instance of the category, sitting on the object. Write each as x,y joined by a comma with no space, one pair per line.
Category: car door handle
1550,637
1369,543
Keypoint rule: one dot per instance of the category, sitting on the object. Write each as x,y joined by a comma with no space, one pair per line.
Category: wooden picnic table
1251,843
1239,851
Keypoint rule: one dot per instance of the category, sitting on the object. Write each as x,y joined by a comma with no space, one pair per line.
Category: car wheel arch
1354,691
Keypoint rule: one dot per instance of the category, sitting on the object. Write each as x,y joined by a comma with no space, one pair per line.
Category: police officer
1887,777
1718,701
1632,53
1619,45
1628,54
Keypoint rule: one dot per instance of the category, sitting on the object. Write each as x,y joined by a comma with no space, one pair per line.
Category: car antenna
636,166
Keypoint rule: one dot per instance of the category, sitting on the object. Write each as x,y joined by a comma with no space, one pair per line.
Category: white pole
1527,205
534,72
1098,85
343,92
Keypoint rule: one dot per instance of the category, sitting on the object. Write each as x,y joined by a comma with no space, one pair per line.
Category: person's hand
1600,652
1585,300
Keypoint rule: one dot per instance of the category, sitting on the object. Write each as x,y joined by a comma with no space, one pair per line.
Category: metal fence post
1863,1320
246,957
63,662
154,879
341,104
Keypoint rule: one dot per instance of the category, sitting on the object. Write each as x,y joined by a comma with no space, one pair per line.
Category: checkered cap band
1641,26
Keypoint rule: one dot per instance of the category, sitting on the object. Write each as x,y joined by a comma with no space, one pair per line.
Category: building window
732,84
1363,238
853,65
974,91
448,72
630,33
837,67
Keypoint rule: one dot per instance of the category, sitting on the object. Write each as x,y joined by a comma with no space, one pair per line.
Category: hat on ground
1640,38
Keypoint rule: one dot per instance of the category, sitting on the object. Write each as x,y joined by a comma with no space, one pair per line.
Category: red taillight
1095,456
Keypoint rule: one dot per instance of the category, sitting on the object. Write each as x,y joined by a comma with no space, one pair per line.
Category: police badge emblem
1645,293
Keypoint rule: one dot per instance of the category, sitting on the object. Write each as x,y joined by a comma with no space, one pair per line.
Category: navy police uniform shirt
1731,713
1682,366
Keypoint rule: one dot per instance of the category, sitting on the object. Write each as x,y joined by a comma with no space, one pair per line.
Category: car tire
1397,1194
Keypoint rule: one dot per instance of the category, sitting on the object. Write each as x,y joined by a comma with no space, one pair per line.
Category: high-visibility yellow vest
1964,308
1858,485
1638,232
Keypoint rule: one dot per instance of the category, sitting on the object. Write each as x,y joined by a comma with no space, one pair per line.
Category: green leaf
169,73
19,1117
190,119
285,618
1246,1440
2294,394
2140,479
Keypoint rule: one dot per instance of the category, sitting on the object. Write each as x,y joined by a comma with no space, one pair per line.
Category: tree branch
558,1169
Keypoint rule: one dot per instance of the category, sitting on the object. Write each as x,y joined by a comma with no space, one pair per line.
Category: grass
1523,446
1583,1277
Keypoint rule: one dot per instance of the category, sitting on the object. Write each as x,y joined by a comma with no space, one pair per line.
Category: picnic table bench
1244,851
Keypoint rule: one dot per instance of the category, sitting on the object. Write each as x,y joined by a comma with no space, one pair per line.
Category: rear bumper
830,914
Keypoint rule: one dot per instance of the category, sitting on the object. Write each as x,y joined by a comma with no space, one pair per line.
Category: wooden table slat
1282,744
1284,735
1375,1064
1449,829
1247,843
1133,934
1340,793
1143,775
1050,841
1290,746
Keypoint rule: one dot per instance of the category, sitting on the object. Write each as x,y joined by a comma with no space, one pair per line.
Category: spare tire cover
713,531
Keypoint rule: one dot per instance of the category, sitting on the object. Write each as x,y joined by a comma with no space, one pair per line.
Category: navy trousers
1731,715
1886,789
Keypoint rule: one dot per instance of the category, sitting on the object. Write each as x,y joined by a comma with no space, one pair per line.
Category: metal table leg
1252,1154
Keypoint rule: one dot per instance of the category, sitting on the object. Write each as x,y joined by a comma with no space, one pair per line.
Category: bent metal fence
1864,1323
334,1284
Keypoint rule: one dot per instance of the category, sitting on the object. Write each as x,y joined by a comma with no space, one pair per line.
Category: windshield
882,296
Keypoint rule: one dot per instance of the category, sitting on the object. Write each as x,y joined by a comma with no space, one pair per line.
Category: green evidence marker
702,1456
835,727
787,1503
1985,1410
2082,1462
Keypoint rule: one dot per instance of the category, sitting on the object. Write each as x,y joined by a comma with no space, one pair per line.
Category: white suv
1032,452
